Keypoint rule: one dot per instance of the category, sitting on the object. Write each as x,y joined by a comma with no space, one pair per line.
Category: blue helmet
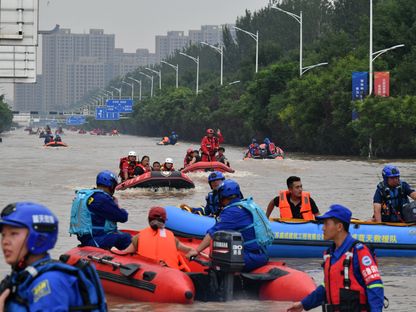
107,178
173,132
266,141
253,140
39,220
215,175
229,189
390,171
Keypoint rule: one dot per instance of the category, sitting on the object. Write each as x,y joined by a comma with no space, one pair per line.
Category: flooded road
50,176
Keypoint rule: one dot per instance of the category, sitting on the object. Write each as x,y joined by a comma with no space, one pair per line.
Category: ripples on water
28,171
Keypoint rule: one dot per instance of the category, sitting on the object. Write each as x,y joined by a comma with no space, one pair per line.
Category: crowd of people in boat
267,149
130,167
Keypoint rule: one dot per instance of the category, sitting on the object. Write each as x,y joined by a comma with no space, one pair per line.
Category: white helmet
169,161
132,153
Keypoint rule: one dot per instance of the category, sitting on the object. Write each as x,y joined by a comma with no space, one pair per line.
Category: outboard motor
227,258
409,212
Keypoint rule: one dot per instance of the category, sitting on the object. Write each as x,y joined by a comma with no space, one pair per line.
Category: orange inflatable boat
207,166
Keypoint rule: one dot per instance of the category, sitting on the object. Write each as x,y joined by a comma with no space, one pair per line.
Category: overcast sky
136,22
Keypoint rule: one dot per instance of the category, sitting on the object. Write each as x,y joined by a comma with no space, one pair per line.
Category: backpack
261,224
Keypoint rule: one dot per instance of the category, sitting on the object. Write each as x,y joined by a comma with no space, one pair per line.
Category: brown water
28,171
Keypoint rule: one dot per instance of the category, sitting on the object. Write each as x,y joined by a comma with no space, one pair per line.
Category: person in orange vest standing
294,203
210,145
352,280
157,243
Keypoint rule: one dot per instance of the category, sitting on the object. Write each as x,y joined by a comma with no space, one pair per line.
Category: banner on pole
359,85
382,84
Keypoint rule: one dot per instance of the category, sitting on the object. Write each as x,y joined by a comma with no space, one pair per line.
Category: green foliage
6,115
311,113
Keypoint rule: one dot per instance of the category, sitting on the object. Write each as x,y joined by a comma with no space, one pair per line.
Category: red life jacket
339,277
145,169
272,148
305,208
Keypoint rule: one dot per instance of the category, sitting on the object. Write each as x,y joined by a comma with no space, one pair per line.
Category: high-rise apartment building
169,44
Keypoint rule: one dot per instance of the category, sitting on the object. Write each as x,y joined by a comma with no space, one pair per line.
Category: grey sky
136,22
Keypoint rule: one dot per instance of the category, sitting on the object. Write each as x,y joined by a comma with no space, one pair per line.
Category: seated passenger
156,242
253,148
48,138
391,195
294,202
95,213
127,166
189,158
168,165
173,138
156,166
143,166
196,155
57,138
212,205
221,157
270,147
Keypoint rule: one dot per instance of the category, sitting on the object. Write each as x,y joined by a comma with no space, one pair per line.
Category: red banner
382,84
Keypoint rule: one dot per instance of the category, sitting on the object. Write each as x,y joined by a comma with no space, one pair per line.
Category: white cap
132,153
169,161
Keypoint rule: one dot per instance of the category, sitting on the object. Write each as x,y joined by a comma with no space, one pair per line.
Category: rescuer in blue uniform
95,213
212,205
235,218
352,281
390,196
37,283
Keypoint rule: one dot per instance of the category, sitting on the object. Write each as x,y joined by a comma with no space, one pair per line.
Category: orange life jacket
145,169
305,208
340,275
152,245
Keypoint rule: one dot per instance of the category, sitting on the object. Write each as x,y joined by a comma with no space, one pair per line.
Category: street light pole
298,18
119,92
196,60
176,68
159,73
132,88
140,86
109,92
375,55
255,37
221,52
151,85
305,69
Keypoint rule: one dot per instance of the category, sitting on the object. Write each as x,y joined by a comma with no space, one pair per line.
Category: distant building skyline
74,64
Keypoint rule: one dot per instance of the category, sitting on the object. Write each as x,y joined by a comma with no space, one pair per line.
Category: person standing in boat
36,282
294,202
210,145
236,216
352,280
156,242
390,196
95,213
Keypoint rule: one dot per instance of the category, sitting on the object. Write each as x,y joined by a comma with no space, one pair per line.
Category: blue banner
359,85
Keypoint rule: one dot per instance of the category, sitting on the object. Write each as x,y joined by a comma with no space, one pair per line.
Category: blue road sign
75,120
122,106
102,113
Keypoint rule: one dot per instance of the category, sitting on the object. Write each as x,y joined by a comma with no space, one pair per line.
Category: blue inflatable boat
304,239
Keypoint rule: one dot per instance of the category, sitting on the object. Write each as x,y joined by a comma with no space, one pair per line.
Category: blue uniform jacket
235,219
375,292
213,203
407,190
51,291
104,208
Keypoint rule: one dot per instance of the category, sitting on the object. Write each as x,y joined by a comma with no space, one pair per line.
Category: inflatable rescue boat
214,278
207,166
298,238
154,179
56,144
